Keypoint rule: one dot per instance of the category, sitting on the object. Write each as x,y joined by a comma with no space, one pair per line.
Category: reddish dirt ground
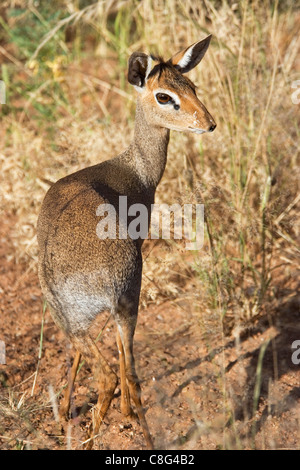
198,387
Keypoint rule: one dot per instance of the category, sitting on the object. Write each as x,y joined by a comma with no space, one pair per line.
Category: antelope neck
149,149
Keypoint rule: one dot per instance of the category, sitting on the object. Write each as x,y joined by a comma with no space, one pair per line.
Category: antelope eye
163,98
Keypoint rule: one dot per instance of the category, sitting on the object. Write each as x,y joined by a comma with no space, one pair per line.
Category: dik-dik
82,274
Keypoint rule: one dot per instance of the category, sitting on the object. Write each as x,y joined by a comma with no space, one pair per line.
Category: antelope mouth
196,131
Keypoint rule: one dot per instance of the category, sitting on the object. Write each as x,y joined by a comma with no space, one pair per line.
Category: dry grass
246,173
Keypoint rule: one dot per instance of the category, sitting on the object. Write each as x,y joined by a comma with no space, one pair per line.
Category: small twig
288,208
14,60
257,386
100,103
33,97
40,349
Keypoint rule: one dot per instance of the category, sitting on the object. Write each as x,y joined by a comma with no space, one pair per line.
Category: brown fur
82,275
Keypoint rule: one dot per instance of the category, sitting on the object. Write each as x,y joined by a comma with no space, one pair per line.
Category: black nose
212,127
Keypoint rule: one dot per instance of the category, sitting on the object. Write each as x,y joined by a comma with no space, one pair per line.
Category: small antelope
82,275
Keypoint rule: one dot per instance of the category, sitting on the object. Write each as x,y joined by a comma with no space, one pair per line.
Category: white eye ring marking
175,98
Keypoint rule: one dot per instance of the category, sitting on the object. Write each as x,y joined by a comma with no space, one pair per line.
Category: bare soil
198,385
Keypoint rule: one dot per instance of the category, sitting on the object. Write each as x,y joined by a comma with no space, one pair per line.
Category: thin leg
125,397
133,383
105,377
65,404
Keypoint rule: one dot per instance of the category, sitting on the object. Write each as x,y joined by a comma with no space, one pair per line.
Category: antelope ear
187,59
139,67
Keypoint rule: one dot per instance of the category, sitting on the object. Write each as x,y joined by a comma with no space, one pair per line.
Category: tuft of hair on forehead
163,65
157,58
158,68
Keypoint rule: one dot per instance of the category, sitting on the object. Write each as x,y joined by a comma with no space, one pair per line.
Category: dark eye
163,98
